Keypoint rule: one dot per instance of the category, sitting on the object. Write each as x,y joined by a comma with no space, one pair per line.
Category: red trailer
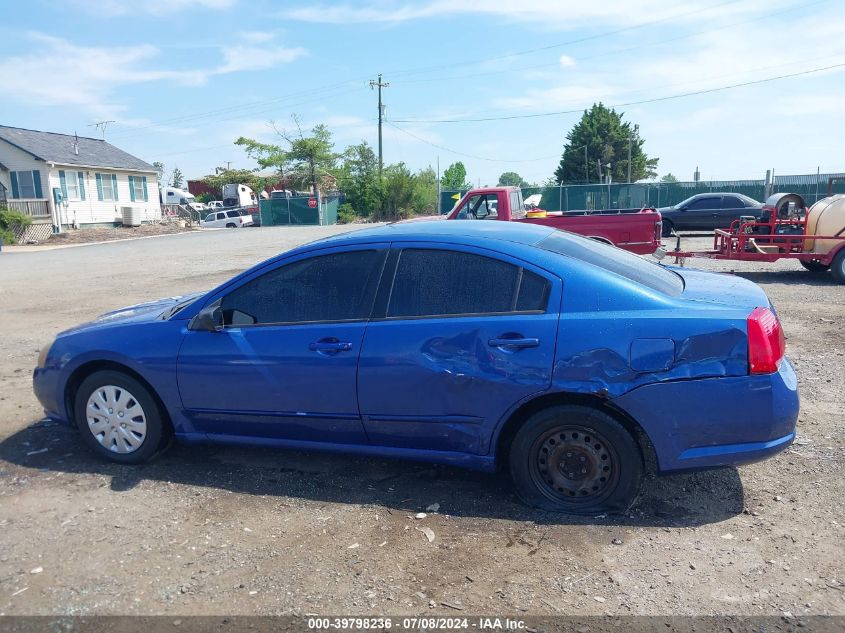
786,230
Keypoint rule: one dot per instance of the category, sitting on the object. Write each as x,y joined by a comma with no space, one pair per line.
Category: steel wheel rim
116,419
574,465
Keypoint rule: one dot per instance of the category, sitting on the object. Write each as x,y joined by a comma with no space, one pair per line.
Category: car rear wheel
118,418
231,225
837,267
575,459
814,265
668,228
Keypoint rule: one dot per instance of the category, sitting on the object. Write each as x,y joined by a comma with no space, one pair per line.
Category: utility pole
380,84
636,134
586,167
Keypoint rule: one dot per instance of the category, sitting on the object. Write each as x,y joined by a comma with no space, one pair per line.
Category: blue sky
183,78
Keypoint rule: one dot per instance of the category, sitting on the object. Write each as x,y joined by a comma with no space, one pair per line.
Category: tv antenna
101,125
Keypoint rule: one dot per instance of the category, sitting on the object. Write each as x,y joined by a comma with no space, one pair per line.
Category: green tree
511,179
399,191
248,177
159,167
607,139
305,159
176,178
425,192
358,178
670,177
455,177
11,221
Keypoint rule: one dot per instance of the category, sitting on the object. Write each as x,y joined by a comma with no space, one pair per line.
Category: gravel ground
217,530
109,234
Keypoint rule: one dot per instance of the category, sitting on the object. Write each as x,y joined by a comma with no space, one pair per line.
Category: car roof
465,231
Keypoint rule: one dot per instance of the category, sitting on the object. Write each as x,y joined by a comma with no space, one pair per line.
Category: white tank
825,217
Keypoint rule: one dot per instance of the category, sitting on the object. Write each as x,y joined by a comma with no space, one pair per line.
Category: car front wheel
575,459
668,228
118,418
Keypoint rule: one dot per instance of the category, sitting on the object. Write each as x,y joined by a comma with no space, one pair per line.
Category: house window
26,184
70,184
107,187
138,188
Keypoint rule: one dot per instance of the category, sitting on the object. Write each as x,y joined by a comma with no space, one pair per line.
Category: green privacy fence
661,194
298,211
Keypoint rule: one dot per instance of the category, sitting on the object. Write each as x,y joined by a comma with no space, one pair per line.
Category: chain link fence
811,187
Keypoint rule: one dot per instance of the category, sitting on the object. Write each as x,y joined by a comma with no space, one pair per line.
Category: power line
562,44
243,106
629,103
453,151
618,50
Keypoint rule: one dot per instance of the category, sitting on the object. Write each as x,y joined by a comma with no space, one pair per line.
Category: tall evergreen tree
606,137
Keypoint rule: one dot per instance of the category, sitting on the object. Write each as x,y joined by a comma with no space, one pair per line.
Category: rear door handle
330,346
514,343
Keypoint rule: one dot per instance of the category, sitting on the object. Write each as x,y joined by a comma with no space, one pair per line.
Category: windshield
615,260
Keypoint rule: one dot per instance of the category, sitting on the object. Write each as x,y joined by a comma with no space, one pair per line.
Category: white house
69,181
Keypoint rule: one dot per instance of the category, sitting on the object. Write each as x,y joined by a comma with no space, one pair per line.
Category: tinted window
704,203
232,214
335,287
615,260
221,216
439,282
732,202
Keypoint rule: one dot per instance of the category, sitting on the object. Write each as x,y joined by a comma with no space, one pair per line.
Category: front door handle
514,343
330,346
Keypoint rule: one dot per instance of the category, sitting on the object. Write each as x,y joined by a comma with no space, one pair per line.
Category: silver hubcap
116,419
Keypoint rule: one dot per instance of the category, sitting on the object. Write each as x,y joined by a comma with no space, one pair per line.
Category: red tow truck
635,230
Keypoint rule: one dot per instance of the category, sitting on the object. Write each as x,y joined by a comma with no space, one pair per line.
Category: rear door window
732,202
439,282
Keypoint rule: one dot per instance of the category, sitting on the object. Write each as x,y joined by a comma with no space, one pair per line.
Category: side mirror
209,319
682,208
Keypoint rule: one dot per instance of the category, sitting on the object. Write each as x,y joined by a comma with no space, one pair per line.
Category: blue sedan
492,344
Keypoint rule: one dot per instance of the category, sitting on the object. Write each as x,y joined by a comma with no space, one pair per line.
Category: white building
68,181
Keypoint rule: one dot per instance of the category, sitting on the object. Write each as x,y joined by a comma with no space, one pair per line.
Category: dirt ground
217,530
108,234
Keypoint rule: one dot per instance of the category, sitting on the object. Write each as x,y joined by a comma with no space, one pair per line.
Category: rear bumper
712,422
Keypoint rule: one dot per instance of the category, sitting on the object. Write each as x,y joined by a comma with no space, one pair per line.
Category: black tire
551,447
814,266
668,228
156,433
837,266
231,225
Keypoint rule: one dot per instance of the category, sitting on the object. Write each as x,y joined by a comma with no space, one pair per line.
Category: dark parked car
708,211
476,344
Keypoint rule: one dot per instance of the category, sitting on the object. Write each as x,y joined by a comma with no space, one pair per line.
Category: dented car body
442,341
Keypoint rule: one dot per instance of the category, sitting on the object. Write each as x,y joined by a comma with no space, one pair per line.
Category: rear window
615,260
432,282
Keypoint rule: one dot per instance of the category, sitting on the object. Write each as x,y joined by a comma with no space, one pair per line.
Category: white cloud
151,7
256,37
543,13
566,61
90,77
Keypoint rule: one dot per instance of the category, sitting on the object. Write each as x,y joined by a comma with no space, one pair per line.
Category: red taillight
766,343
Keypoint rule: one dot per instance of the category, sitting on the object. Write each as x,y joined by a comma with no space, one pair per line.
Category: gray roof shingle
59,148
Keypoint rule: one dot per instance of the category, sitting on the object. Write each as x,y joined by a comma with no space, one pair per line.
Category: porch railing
33,208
